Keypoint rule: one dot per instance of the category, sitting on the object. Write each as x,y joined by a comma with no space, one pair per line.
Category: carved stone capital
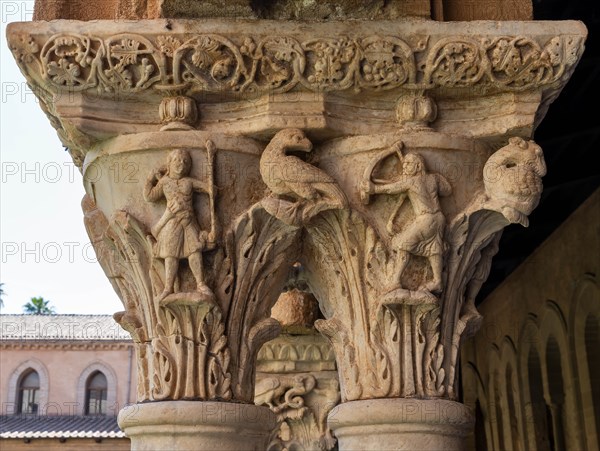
194,269
383,156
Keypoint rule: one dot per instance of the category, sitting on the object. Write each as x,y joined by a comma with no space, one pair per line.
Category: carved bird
291,179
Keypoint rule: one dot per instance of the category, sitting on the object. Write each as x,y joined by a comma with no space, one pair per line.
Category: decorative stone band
401,424
227,57
288,353
80,71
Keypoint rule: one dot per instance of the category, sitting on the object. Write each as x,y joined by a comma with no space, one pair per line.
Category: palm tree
38,306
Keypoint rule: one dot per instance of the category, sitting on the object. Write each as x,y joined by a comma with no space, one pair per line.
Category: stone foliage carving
258,252
394,248
384,347
132,62
92,63
182,350
181,316
404,293
394,276
302,403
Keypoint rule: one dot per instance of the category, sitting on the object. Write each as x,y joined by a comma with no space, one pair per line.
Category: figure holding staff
177,233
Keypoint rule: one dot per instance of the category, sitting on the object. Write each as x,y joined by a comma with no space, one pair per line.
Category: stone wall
450,10
531,372
53,444
65,365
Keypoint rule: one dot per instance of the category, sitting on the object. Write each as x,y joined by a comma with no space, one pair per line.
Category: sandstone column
385,156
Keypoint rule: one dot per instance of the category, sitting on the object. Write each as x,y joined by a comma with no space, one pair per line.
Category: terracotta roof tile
59,426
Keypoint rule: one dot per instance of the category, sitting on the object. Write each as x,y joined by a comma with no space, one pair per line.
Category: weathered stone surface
241,9
296,310
180,425
340,10
401,424
385,157
448,10
488,10
297,379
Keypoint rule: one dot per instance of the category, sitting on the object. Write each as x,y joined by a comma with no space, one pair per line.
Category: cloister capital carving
349,150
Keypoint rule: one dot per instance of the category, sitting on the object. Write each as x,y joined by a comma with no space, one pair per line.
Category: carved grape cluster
132,62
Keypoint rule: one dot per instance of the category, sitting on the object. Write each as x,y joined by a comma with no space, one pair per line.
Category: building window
29,392
95,394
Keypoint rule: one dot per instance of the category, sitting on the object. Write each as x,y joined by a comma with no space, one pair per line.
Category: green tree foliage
38,306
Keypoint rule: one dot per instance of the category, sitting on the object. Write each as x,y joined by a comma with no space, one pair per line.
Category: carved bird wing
266,390
299,171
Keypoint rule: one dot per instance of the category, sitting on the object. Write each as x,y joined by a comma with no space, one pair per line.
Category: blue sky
44,249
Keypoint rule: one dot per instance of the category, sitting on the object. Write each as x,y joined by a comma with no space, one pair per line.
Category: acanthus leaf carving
512,187
409,331
251,269
182,348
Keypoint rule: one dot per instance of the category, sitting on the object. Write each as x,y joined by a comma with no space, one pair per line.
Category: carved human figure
177,233
424,235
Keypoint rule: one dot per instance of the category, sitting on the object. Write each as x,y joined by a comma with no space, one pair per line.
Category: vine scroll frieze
237,63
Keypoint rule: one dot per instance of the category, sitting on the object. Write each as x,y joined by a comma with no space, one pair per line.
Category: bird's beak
305,145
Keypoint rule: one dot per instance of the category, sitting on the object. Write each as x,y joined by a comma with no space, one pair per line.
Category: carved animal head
530,155
292,139
512,178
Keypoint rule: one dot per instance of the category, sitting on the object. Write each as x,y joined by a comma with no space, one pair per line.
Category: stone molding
401,424
65,345
181,425
372,57
291,353
73,65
